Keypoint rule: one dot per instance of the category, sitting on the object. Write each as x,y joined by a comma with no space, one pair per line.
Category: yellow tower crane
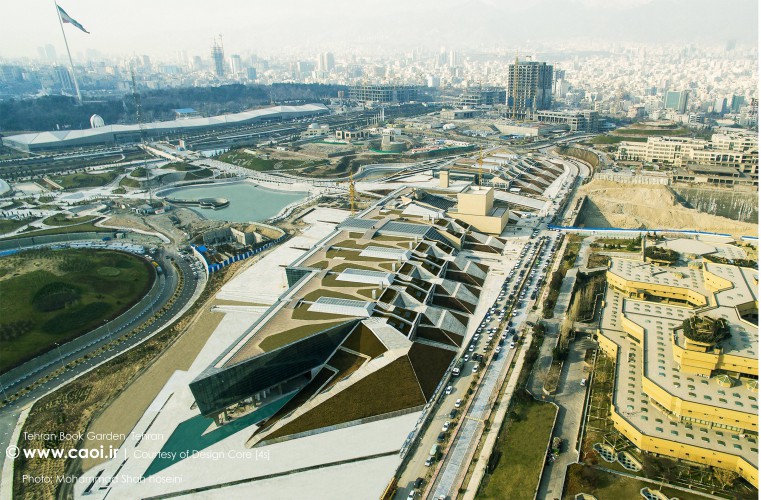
352,192
480,166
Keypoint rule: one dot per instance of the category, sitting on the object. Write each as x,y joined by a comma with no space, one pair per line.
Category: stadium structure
110,135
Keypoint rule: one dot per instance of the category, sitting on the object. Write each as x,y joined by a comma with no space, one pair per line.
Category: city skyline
431,249
167,27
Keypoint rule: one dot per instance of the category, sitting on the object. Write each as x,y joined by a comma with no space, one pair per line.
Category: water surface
248,202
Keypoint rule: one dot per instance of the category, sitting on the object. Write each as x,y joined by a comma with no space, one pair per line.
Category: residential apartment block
729,155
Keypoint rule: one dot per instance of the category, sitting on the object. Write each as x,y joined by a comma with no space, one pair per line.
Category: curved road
72,350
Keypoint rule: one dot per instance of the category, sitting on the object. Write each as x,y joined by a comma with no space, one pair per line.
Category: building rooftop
364,276
477,190
659,322
343,307
403,274
635,270
385,252
52,137
698,247
634,405
654,359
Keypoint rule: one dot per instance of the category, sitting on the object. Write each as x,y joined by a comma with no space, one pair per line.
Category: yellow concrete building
677,393
475,205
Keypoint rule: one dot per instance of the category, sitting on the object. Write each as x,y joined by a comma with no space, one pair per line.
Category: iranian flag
68,19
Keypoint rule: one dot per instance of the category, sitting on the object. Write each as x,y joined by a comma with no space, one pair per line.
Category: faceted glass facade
217,388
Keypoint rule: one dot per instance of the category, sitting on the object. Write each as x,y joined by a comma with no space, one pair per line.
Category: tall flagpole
66,42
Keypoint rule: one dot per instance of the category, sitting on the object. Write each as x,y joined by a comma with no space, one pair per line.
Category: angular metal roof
57,136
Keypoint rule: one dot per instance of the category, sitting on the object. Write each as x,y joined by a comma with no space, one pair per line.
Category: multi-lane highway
506,317
518,295
492,348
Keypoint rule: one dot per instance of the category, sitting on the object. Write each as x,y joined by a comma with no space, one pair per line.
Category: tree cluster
706,329
63,112
14,329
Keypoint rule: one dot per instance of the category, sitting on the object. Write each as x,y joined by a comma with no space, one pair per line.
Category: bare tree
724,477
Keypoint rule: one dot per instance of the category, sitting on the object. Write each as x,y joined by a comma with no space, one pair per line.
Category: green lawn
63,295
75,181
597,260
300,332
127,182
607,486
391,388
252,162
139,173
636,242
681,131
612,139
77,228
8,225
201,173
523,448
13,204
569,258
61,220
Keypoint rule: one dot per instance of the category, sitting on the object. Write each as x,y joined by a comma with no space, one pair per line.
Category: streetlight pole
2,386
60,356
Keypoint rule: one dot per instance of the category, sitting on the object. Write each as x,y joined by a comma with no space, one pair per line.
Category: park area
52,297
85,180
520,452
606,485
260,164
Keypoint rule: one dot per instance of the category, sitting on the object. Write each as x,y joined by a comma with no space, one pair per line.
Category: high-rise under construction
529,88
218,58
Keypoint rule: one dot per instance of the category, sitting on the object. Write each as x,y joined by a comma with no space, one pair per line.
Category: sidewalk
570,400
499,416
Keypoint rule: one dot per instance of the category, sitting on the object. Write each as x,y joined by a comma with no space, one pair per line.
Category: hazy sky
162,27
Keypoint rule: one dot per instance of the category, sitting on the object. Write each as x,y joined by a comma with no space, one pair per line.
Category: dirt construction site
639,206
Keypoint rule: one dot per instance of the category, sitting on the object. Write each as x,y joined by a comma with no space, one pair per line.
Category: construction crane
481,166
136,97
352,192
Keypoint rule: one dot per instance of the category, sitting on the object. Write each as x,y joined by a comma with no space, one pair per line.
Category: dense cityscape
717,82
381,267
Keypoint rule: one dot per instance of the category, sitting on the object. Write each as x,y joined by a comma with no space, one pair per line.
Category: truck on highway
458,368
